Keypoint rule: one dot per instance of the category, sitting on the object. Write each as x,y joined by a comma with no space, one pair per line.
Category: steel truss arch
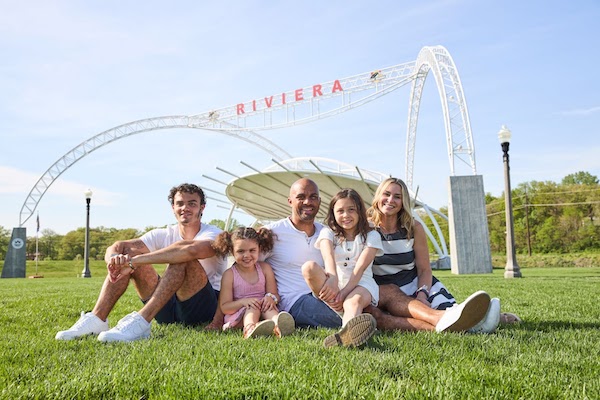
119,132
459,140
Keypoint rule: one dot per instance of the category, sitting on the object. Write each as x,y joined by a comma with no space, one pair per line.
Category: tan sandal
263,328
284,324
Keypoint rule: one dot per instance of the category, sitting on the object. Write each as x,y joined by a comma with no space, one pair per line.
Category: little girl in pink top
248,288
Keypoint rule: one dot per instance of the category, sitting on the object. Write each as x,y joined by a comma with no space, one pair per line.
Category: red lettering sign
317,90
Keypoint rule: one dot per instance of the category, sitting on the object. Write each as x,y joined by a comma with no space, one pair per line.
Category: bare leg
110,293
184,280
251,317
355,303
270,314
403,312
314,275
388,322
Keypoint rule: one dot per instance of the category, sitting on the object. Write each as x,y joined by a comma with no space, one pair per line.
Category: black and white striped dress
397,266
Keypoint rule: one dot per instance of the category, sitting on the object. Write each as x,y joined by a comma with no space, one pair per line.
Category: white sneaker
131,327
490,322
88,324
465,315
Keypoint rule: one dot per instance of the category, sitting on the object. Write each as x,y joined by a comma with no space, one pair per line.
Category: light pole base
86,274
513,274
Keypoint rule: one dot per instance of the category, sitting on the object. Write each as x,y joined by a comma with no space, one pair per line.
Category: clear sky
70,70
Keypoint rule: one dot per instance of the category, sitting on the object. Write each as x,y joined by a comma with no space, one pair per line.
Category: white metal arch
297,107
459,140
132,128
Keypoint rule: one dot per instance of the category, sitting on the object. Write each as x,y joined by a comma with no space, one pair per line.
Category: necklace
387,232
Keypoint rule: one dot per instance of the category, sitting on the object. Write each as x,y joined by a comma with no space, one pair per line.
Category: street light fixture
86,269
512,269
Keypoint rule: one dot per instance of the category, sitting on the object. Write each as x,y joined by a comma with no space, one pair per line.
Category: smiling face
187,208
305,201
245,252
390,202
346,216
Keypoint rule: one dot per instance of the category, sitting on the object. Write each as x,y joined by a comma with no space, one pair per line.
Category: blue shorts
310,312
198,309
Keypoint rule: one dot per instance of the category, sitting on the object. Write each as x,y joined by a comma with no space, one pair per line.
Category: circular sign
17,243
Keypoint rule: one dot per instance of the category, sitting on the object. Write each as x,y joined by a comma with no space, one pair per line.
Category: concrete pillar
469,236
14,263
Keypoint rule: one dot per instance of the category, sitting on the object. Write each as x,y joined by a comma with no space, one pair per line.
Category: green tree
580,178
221,224
4,241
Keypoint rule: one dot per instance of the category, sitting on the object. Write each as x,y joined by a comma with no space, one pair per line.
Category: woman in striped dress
404,267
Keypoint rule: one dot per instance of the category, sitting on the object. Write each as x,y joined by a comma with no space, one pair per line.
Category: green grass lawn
554,353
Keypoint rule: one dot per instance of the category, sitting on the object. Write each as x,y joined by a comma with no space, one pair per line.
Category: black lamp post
86,269
512,269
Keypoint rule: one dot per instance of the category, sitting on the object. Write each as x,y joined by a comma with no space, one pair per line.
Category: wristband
131,265
271,295
424,289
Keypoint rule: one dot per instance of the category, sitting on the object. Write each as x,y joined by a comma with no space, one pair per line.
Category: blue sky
70,70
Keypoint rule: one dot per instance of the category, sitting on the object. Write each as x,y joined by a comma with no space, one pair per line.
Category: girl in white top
348,246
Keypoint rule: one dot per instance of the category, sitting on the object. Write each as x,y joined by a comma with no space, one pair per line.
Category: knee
309,268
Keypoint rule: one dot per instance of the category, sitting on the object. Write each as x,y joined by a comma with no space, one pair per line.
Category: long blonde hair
405,219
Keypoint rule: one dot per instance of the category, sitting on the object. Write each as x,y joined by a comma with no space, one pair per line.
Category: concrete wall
469,235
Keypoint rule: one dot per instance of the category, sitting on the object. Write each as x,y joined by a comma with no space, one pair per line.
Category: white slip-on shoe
465,315
490,322
88,324
131,327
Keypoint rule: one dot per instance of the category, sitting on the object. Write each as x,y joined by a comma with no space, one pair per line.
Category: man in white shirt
186,293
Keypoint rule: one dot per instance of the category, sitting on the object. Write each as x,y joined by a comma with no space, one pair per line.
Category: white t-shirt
214,266
292,248
346,255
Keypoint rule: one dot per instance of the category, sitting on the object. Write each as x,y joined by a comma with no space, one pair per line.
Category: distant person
404,271
348,246
185,293
248,288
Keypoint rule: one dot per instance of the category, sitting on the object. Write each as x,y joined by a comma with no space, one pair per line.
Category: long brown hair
405,219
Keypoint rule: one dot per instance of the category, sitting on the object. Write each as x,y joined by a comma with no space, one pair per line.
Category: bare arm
117,257
424,273
131,247
330,289
270,287
182,251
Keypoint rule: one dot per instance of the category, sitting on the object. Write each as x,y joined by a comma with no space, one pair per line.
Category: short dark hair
186,188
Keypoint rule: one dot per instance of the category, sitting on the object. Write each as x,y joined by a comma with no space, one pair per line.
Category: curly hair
186,188
405,219
363,223
223,244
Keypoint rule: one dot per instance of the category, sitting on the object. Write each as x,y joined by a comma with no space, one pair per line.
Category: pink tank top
243,289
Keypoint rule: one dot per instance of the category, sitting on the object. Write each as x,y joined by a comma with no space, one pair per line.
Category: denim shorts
310,312
198,309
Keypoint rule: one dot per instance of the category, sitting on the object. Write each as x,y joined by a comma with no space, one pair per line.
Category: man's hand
118,267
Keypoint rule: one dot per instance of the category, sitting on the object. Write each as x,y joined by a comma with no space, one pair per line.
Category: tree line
549,217
52,246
